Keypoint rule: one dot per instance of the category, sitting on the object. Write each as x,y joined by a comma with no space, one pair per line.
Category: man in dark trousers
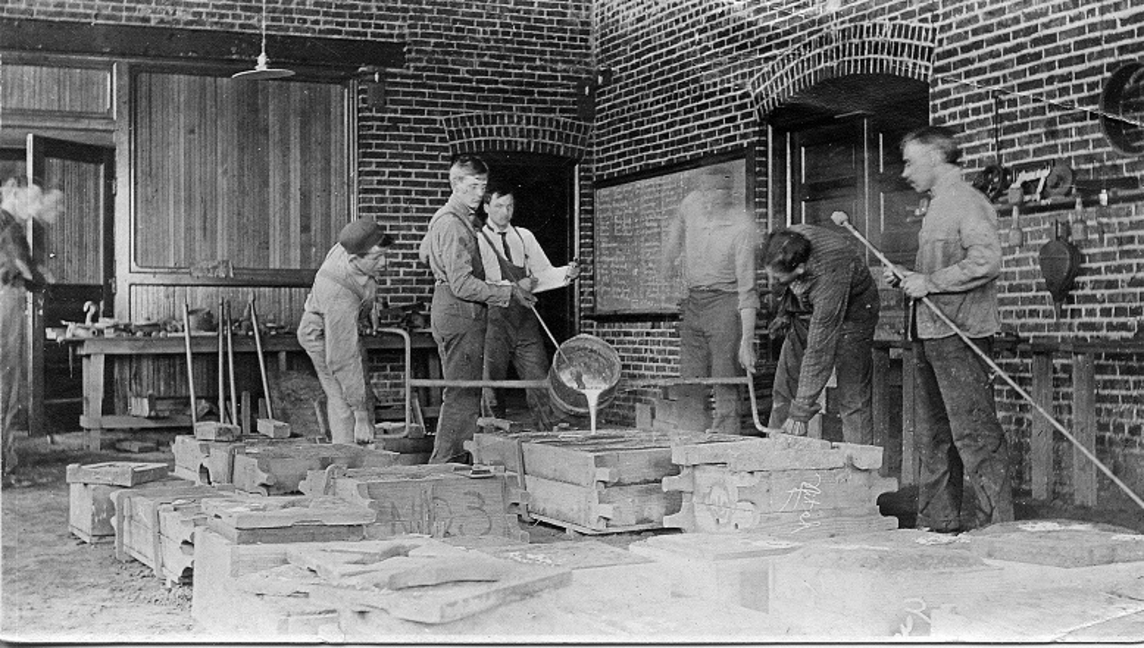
823,275
461,297
511,253
958,261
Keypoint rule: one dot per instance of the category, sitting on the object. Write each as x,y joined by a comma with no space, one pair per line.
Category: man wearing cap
343,289
461,298
713,241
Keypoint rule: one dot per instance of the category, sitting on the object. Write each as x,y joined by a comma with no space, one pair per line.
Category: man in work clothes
714,243
344,289
461,297
511,253
20,271
824,275
958,261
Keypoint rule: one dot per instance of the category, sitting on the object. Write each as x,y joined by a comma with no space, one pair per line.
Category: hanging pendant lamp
262,69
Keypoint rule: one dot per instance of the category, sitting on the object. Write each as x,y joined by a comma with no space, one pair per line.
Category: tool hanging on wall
1060,265
995,178
842,219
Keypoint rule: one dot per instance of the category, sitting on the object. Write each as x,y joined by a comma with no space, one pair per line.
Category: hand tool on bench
842,219
268,426
204,430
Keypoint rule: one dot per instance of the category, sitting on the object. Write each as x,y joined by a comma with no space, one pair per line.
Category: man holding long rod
958,262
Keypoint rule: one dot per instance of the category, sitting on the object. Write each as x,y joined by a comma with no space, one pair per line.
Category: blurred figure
713,241
344,291
511,253
21,271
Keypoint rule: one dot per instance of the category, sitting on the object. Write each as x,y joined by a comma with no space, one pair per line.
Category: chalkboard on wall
631,224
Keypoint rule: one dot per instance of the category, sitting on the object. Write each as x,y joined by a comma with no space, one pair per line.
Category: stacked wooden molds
784,485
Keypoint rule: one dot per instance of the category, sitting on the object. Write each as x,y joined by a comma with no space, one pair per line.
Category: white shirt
525,252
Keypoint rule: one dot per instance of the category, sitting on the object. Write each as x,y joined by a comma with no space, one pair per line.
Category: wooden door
77,249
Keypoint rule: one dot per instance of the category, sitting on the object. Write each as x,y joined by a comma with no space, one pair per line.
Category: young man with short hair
461,297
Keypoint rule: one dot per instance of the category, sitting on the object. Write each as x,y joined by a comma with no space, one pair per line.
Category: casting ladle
842,219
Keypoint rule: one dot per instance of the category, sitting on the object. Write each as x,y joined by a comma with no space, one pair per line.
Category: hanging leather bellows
1060,265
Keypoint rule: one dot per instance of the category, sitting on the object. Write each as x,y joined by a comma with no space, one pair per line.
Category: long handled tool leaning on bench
842,219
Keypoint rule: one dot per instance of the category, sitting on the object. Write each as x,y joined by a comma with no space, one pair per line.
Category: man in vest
511,253
343,291
461,297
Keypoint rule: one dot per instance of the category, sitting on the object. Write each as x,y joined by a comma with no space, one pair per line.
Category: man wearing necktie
512,254
461,298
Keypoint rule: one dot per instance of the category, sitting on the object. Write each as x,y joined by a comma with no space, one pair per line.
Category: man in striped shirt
826,276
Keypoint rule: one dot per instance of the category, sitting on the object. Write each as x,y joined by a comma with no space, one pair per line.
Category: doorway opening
544,187
78,253
835,146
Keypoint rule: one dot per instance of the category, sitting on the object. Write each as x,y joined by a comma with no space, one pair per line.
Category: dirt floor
56,588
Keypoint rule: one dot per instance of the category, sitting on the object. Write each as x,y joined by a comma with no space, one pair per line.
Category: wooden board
279,469
208,462
578,554
116,473
599,509
244,512
446,601
439,500
91,511
1059,543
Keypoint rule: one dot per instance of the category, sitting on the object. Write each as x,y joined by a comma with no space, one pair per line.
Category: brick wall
697,78
499,74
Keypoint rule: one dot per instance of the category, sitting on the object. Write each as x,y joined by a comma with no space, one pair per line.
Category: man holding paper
513,335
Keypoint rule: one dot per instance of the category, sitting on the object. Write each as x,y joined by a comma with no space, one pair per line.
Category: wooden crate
783,485
278,469
606,482
91,511
156,527
440,500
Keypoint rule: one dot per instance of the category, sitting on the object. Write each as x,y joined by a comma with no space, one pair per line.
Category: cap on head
361,235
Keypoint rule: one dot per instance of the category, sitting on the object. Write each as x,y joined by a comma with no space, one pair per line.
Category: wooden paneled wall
55,89
75,242
254,173
281,305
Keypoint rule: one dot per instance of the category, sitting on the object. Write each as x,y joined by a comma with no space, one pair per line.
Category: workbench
97,351
1080,354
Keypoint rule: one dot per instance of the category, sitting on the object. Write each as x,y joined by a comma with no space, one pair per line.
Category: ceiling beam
199,45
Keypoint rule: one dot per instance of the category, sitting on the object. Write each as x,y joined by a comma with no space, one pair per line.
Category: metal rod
408,370
230,363
190,368
508,384
844,221
221,368
540,319
261,360
749,380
